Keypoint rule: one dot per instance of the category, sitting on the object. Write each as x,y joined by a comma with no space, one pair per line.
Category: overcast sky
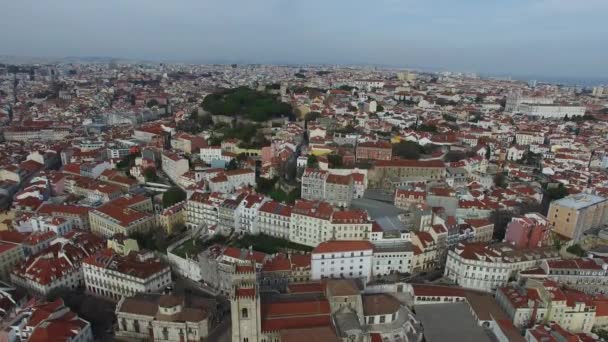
519,37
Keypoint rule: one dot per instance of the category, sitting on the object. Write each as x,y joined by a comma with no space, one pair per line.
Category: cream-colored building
485,267
113,276
10,255
164,318
573,215
117,217
544,302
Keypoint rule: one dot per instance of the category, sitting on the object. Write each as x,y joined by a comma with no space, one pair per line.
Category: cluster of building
374,180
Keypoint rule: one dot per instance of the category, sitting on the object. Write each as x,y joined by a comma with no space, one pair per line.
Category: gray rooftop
449,322
579,201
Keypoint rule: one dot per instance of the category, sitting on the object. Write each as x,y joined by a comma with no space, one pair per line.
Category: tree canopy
172,196
407,150
254,105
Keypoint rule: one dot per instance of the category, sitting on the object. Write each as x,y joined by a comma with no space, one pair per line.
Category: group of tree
254,105
427,128
172,196
150,175
407,150
312,161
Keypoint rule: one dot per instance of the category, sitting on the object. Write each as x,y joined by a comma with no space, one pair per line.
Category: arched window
165,333
244,313
123,322
136,326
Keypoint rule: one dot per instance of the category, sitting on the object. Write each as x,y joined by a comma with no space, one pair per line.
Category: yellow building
173,218
5,220
573,215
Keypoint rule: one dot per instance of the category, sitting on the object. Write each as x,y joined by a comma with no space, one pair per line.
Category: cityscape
234,174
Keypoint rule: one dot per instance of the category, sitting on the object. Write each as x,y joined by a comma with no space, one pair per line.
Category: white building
310,223
174,165
113,276
210,153
392,258
202,209
274,219
550,111
485,267
342,259
527,138
247,213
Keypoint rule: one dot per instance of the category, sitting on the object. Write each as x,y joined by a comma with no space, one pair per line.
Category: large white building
310,222
273,219
113,276
247,212
342,259
484,267
550,111
174,165
210,153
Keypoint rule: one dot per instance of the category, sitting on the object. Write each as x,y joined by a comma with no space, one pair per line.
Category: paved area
449,322
377,209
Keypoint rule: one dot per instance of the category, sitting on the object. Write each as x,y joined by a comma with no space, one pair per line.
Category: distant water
568,81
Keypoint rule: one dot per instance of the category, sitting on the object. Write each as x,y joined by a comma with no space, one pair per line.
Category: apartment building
342,259
551,111
338,190
273,219
125,215
313,184
187,143
11,254
173,217
389,258
573,215
485,267
202,209
545,301
380,150
529,138
173,165
57,266
385,172
528,231
247,213
40,320
111,275
310,222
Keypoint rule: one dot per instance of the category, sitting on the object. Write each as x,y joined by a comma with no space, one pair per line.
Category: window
244,313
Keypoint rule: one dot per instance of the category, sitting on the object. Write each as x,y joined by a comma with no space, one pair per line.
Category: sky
553,38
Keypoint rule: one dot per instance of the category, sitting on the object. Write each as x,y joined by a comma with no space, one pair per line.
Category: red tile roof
342,246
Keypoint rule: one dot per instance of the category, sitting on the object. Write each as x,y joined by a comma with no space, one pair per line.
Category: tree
406,150
265,186
500,180
312,116
172,196
427,128
312,161
488,153
576,250
232,165
557,192
150,175
454,156
379,108
152,103
335,161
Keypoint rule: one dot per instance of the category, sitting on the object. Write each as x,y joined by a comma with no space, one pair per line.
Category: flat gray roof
579,201
449,322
